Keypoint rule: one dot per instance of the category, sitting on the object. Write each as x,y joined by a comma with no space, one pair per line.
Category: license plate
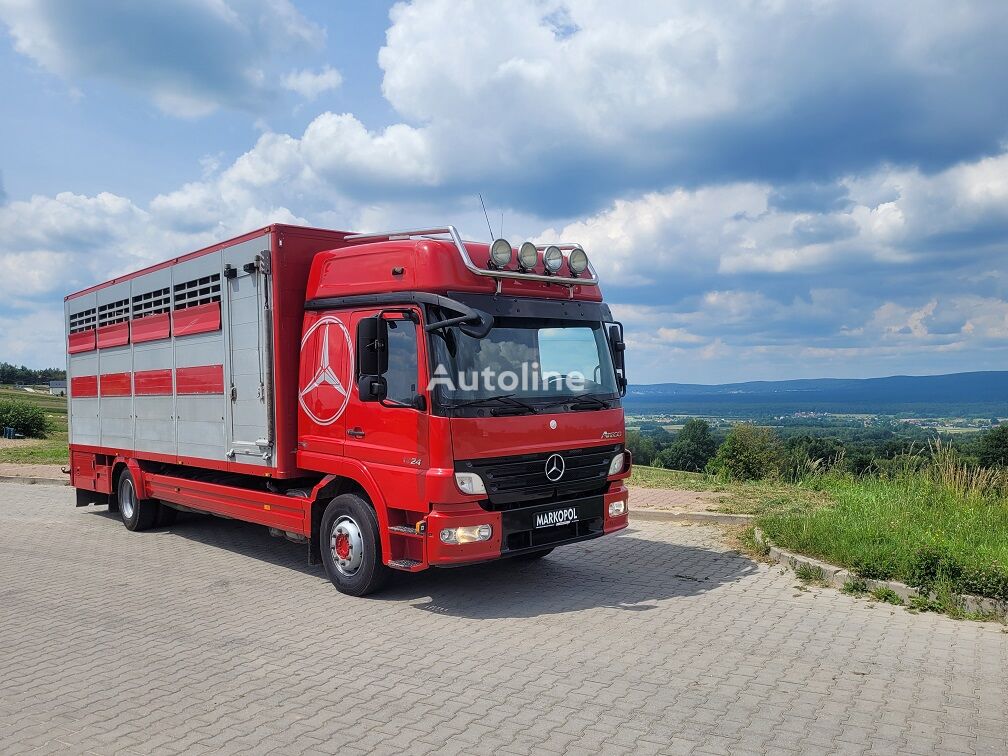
555,517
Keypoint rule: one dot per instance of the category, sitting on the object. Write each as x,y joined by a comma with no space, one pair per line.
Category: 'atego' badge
326,391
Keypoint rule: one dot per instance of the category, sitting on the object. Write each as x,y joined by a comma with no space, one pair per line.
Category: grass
751,497
913,528
887,596
51,450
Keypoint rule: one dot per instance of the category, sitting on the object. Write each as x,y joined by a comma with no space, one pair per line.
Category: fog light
617,508
528,256
618,463
470,483
500,253
577,261
552,259
466,534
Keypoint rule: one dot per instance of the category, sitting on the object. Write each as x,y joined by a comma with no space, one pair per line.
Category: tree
993,447
692,449
641,447
749,453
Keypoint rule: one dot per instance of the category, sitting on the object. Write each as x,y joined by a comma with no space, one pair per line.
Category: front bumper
523,530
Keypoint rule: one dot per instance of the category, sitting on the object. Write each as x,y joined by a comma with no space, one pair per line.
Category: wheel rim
127,499
347,545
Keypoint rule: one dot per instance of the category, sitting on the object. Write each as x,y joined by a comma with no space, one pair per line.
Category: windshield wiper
582,402
505,399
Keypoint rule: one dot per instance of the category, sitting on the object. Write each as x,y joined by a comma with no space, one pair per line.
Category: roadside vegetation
41,419
933,516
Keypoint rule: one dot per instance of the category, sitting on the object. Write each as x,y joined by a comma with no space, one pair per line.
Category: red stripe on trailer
199,319
82,341
113,335
84,386
115,384
207,379
151,328
152,382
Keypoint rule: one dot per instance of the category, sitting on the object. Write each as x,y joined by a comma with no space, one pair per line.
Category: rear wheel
351,546
136,513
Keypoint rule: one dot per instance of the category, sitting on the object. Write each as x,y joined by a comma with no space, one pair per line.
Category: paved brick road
215,637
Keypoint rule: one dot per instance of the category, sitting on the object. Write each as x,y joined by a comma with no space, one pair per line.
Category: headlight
500,253
466,534
577,261
617,508
470,483
528,256
617,464
552,259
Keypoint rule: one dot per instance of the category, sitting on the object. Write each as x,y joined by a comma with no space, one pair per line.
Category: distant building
57,388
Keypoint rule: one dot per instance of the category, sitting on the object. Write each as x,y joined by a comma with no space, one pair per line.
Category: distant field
51,450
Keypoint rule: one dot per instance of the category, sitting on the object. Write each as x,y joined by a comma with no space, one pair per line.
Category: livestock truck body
334,387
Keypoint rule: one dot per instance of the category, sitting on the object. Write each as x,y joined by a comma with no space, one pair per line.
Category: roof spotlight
577,261
552,259
500,253
528,256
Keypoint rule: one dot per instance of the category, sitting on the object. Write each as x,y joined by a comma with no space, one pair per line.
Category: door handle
355,432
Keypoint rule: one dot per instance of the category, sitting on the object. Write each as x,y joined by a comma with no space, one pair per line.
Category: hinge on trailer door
234,393
262,393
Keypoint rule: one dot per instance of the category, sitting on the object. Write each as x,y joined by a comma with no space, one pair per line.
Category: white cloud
189,57
310,84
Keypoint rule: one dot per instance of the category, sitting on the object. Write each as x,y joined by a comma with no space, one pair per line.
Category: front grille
521,480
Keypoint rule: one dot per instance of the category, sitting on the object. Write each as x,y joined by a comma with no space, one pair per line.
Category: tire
351,547
532,556
137,514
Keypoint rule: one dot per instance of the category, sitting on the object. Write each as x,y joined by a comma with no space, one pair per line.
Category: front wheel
351,547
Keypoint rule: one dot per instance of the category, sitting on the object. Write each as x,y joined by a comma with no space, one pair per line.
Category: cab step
408,565
405,530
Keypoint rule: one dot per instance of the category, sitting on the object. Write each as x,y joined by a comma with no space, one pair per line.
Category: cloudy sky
775,190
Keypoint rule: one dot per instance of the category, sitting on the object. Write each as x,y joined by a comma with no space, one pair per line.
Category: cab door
390,437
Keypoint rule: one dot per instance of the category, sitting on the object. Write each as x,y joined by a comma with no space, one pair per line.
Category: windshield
530,359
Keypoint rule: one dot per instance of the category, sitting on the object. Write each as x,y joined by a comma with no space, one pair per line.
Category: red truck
393,401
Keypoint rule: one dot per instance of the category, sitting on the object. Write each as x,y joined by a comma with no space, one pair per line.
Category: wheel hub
347,545
127,501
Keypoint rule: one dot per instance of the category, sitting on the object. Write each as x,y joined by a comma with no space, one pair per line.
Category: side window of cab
403,361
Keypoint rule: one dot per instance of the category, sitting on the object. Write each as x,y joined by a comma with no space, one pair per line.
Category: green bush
749,453
993,447
931,565
27,419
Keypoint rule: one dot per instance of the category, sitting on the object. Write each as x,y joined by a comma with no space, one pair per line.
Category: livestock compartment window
198,291
114,312
84,320
152,303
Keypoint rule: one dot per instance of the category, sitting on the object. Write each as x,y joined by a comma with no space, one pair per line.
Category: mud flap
84,497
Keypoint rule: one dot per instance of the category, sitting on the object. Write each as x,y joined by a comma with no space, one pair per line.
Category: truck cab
483,402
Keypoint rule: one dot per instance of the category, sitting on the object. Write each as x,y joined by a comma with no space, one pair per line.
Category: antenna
487,216
502,224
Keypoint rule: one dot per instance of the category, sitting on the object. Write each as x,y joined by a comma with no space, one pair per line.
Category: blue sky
779,189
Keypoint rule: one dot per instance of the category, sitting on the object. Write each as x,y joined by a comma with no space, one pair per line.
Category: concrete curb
34,481
837,576
704,518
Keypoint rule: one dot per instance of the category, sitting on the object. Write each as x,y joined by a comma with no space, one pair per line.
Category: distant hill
980,394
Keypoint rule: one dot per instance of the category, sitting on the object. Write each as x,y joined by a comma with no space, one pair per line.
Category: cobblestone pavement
212,636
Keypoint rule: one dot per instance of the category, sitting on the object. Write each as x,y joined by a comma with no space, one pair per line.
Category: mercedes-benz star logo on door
554,467
324,395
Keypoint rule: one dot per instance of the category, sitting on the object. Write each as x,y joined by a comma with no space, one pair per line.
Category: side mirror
618,348
372,346
372,388
372,358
